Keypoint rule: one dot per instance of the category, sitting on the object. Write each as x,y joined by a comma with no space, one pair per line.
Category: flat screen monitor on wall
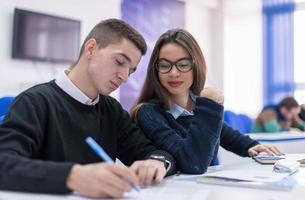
42,37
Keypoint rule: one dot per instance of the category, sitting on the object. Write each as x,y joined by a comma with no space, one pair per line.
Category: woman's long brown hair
153,91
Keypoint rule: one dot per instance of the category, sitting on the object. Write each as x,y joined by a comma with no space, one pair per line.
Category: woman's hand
271,150
213,94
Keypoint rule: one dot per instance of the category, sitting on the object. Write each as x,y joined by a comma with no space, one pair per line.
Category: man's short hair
289,103
111,31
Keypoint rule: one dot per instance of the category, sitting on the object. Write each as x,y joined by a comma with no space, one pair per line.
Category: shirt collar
70,88
177,111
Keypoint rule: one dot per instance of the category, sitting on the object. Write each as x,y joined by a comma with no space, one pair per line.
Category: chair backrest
246,123
5,103
241,122
231,118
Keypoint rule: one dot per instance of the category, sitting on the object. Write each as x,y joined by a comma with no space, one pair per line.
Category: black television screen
42,37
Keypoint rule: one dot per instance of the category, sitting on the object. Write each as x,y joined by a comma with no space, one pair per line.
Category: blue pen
102,154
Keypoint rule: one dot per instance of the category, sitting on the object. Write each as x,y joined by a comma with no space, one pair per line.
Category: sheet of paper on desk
171,190
248,175
295,157
4,195
285,184
167,190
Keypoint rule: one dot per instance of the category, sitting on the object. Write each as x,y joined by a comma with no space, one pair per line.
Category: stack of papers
247,175
248,178
286,166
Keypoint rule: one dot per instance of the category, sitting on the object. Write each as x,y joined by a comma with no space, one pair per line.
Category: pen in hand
102,154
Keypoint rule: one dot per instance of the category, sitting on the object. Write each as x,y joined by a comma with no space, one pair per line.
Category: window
299,49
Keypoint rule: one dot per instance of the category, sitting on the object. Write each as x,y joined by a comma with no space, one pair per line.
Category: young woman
175,117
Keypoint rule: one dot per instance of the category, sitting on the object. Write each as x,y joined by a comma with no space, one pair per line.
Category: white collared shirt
177,111
70,88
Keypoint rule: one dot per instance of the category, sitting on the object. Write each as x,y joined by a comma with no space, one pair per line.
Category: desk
286,142
188,190
278,137
238,193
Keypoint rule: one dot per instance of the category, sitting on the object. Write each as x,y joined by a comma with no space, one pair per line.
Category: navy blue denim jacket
193,140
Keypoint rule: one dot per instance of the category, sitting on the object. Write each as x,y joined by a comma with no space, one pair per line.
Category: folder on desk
251,179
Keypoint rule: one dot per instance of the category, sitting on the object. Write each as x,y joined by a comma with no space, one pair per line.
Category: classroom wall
17,75
204,22
228,31
230,35
243,52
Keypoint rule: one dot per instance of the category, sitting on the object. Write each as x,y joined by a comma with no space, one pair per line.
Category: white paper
169,189
249,175
295,157
178,190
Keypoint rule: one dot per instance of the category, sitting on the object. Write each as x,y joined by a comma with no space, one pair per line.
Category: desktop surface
187,187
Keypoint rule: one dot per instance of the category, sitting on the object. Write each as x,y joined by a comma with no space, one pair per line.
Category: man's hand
294,130
272,150
101,180
296,120
213,94
149,171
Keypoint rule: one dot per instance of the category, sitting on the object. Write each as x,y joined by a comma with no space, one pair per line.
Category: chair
247,123
1,119
231,119
5,103
240,122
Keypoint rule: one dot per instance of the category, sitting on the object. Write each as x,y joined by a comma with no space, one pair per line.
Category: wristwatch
167,164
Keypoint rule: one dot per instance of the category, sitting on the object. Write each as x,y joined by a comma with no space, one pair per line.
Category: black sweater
192,140
44,132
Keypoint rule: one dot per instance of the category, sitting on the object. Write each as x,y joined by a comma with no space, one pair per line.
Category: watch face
157,157
161,158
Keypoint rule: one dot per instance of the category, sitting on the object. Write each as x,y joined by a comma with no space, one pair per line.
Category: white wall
204,22
243,56
228,31
230,35
17,75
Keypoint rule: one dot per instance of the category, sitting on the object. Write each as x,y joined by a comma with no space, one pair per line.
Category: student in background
302,113
281,117
175,117
42,137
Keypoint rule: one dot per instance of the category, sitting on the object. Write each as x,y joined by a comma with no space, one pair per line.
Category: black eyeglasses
183,65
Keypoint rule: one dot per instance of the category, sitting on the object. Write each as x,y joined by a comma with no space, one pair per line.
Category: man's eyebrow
125,56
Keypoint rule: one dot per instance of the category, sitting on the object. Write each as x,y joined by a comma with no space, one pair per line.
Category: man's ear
284,110
90,46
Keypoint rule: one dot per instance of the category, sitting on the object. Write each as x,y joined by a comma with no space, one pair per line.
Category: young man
302,113
281,117
42,138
